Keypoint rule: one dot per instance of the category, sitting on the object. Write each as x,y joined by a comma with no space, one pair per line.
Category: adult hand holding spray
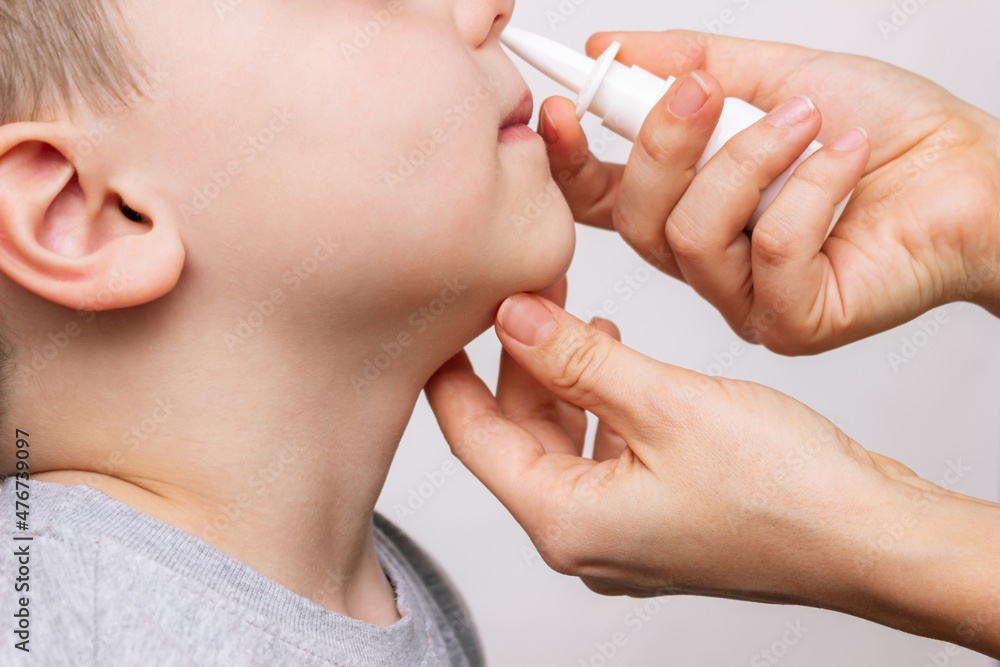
623,96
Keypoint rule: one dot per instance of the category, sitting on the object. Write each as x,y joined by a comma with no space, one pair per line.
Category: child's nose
480,21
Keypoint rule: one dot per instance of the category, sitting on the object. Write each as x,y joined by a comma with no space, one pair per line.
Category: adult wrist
929,568
982,268
993,303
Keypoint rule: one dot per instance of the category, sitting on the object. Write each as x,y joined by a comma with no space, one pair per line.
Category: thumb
589,185
583,365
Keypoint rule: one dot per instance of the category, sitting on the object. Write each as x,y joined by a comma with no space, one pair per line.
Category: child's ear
64,232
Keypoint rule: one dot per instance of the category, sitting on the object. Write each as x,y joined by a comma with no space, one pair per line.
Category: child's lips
518,132
515,126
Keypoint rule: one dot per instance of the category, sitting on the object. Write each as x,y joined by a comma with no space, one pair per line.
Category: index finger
536,487
761,73
494,449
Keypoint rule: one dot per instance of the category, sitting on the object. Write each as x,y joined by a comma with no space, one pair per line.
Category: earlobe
68,236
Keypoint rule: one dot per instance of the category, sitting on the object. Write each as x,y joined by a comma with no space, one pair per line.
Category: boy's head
236,184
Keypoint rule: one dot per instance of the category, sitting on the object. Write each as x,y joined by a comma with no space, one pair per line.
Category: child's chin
551,283
549,263
560,260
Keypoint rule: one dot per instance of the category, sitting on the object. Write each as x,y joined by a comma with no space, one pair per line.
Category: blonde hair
57,54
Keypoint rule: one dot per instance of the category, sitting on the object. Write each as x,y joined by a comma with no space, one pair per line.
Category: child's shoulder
109,583
435,587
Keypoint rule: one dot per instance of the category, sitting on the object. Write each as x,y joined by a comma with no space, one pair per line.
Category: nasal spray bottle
624,96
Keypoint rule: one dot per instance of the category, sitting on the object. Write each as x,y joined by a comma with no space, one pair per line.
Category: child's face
282,129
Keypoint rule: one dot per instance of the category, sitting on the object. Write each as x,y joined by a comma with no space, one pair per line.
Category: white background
939,408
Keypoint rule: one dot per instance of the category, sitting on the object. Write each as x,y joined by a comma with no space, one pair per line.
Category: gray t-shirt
110,586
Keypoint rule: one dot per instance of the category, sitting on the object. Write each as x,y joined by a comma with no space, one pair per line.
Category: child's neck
286,486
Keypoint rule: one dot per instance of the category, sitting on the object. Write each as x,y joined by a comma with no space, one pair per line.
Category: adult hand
709,486
922,229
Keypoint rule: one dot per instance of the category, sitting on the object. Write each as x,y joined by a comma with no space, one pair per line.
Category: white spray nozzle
560,63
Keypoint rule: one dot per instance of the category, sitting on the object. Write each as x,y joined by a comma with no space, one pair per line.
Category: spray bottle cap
573,70
601,68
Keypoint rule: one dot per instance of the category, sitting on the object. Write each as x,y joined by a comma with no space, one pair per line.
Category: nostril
473,20
499,23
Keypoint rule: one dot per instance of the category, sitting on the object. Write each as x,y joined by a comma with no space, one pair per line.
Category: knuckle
691,50
750,332
682,235
771,242
602,586
624,220
741,154
555,543
812,175
581,365
655,144
765,325
560,559
778,332
741,170
794,347
475,433
751,159
780,342
644,233
663,151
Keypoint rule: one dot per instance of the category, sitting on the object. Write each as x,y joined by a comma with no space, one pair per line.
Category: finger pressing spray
624,96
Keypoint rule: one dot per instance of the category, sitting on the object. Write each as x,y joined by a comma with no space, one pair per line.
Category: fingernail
690,97
526,319
851,140
547,127
792,112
